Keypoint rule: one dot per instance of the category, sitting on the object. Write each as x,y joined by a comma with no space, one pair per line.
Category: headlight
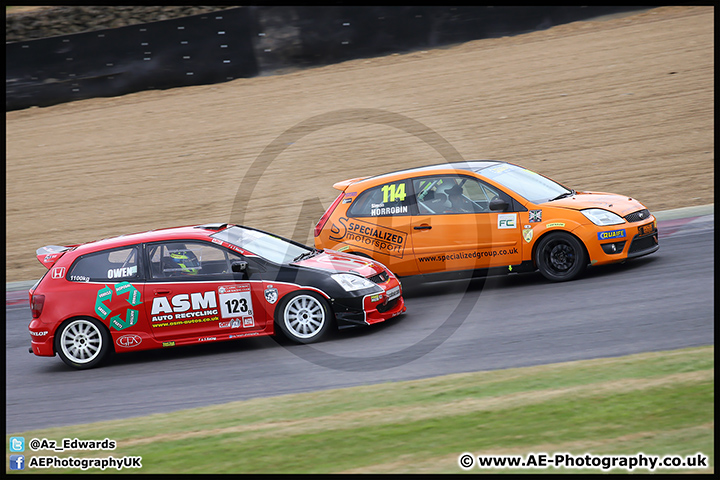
352,282
602,217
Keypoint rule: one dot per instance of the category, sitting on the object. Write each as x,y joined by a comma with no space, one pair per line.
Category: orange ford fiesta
483,216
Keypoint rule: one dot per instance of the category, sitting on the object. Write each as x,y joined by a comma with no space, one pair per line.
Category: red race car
196,284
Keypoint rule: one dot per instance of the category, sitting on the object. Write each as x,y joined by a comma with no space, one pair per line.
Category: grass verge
659,403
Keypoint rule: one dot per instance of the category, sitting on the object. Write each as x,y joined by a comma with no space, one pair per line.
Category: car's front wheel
560,257
304,317
82,342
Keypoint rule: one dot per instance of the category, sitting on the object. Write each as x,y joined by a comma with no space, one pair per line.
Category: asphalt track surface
660,302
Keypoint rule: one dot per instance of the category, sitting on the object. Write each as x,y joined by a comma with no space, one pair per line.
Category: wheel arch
299,291
533,254
360,254
81,317
322,297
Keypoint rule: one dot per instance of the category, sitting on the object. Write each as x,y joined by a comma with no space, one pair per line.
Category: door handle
423,227
161,292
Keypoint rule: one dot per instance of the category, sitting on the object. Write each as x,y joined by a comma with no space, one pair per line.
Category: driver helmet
185,260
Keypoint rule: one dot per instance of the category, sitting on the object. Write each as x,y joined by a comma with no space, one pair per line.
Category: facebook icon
17,462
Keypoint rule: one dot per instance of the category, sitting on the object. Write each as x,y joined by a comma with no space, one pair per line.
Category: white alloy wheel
82,343
305,317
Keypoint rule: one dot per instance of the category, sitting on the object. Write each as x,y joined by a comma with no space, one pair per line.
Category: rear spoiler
346,183
49,254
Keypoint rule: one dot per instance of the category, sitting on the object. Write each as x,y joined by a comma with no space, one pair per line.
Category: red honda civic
197,284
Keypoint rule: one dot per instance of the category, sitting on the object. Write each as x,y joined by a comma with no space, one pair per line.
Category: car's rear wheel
82,342
304,317
560,257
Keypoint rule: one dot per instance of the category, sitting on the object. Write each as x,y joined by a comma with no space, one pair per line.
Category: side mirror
499,204
239,267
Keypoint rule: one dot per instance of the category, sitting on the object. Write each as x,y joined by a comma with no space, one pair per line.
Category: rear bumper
41,340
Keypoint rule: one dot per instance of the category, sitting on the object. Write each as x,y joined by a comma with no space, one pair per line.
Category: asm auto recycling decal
105,298
369,236
230,301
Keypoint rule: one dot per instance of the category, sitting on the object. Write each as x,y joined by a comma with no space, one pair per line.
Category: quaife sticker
611,234
368,236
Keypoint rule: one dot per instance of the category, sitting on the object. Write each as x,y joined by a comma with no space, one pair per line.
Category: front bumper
371,308
625,242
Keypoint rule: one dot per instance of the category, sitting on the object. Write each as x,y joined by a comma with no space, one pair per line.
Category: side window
119,265
447,194
388,200
188,260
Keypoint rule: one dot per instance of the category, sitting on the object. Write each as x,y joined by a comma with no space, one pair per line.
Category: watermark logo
312,208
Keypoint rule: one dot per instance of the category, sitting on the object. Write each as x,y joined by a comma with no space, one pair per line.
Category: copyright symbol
313,208
466,461
34,444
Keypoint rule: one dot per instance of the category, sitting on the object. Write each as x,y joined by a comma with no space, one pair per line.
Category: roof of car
470,166
193,232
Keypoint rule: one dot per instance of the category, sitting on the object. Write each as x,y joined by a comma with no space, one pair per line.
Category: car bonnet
619,204
338,262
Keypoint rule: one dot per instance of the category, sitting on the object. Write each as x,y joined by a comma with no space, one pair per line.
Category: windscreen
262,244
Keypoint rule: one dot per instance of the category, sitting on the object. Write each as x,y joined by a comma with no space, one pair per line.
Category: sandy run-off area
624,105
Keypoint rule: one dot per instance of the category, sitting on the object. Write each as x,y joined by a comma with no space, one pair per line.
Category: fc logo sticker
507,220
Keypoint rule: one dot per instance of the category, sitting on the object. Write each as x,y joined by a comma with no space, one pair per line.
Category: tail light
36,305
326,215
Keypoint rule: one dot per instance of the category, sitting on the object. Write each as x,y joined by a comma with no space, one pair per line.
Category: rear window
118,265
388,200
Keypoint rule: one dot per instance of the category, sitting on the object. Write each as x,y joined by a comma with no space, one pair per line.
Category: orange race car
483,216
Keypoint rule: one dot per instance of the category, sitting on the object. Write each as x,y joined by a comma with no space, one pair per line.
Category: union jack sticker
535,215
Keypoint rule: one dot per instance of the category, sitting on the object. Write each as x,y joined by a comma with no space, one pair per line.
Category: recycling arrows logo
105,297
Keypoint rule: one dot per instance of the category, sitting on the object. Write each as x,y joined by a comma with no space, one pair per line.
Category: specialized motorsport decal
104,300
555,224
535,216
368,236
229,302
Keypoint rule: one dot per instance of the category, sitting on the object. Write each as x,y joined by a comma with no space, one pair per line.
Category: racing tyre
304,317
560,257
82,343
